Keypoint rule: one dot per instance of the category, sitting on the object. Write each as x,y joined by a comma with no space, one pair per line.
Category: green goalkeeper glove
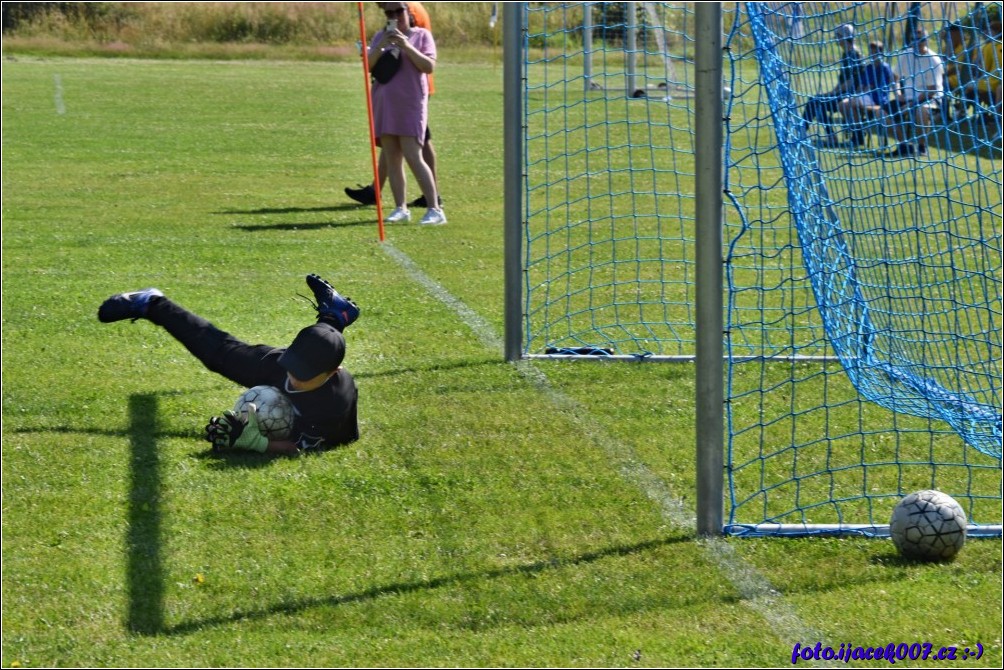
237,431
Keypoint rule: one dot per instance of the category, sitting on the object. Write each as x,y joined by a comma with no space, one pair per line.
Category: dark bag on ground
386,67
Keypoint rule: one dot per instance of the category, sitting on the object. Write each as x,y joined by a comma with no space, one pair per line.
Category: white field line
755,589
58,94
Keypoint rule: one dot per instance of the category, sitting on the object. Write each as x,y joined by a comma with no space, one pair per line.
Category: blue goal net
862,236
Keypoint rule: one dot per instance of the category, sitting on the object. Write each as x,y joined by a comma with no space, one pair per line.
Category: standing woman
401,106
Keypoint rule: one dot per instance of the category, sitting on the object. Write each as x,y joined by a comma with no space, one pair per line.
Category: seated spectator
961,66
873,96
959,59
988,83
821,107
921,89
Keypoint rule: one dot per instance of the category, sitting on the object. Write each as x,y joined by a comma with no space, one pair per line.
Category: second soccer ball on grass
928,525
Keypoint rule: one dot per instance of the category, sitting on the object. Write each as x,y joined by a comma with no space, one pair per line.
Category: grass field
491,514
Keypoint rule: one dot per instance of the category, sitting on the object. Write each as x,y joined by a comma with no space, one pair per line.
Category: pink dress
401,106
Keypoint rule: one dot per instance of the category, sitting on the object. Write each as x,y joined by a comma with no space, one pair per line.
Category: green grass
482,518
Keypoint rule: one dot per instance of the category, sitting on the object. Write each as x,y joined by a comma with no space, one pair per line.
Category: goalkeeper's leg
218,350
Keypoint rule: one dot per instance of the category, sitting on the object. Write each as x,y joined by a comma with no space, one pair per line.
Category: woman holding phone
401,105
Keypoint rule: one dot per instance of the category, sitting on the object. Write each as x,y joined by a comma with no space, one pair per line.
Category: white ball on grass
928,525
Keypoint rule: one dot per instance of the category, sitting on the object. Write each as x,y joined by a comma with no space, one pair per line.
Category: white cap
845,32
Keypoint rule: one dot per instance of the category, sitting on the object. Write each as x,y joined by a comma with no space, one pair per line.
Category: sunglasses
389,13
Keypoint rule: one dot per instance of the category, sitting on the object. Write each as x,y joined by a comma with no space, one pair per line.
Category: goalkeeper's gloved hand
236,431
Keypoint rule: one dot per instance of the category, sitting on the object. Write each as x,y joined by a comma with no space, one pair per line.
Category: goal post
855,329
708,183
513,81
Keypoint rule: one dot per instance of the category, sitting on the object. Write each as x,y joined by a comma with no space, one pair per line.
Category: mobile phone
391,25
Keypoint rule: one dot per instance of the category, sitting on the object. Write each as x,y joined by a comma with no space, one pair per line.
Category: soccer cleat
364,195
132,305
399,215
331,306
419,202
433,217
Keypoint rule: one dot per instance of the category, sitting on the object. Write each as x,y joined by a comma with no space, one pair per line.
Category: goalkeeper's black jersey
328,413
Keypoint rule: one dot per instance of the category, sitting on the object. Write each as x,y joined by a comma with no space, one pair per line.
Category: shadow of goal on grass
144,569
401,588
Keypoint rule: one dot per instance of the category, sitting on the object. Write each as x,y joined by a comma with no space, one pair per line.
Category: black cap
317,349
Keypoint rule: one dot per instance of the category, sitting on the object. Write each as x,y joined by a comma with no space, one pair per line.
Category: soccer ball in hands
275,411
928,525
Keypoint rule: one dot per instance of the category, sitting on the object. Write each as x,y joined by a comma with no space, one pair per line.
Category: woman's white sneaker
399,215
433,217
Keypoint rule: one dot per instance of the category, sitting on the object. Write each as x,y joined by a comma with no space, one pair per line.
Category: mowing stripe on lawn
755,589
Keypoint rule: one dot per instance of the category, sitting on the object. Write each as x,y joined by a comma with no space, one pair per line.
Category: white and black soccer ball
928,525
275,410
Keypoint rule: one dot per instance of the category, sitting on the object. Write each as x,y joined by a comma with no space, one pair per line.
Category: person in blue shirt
821,107
873,96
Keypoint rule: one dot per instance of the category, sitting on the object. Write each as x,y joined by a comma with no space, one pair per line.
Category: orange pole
369,114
